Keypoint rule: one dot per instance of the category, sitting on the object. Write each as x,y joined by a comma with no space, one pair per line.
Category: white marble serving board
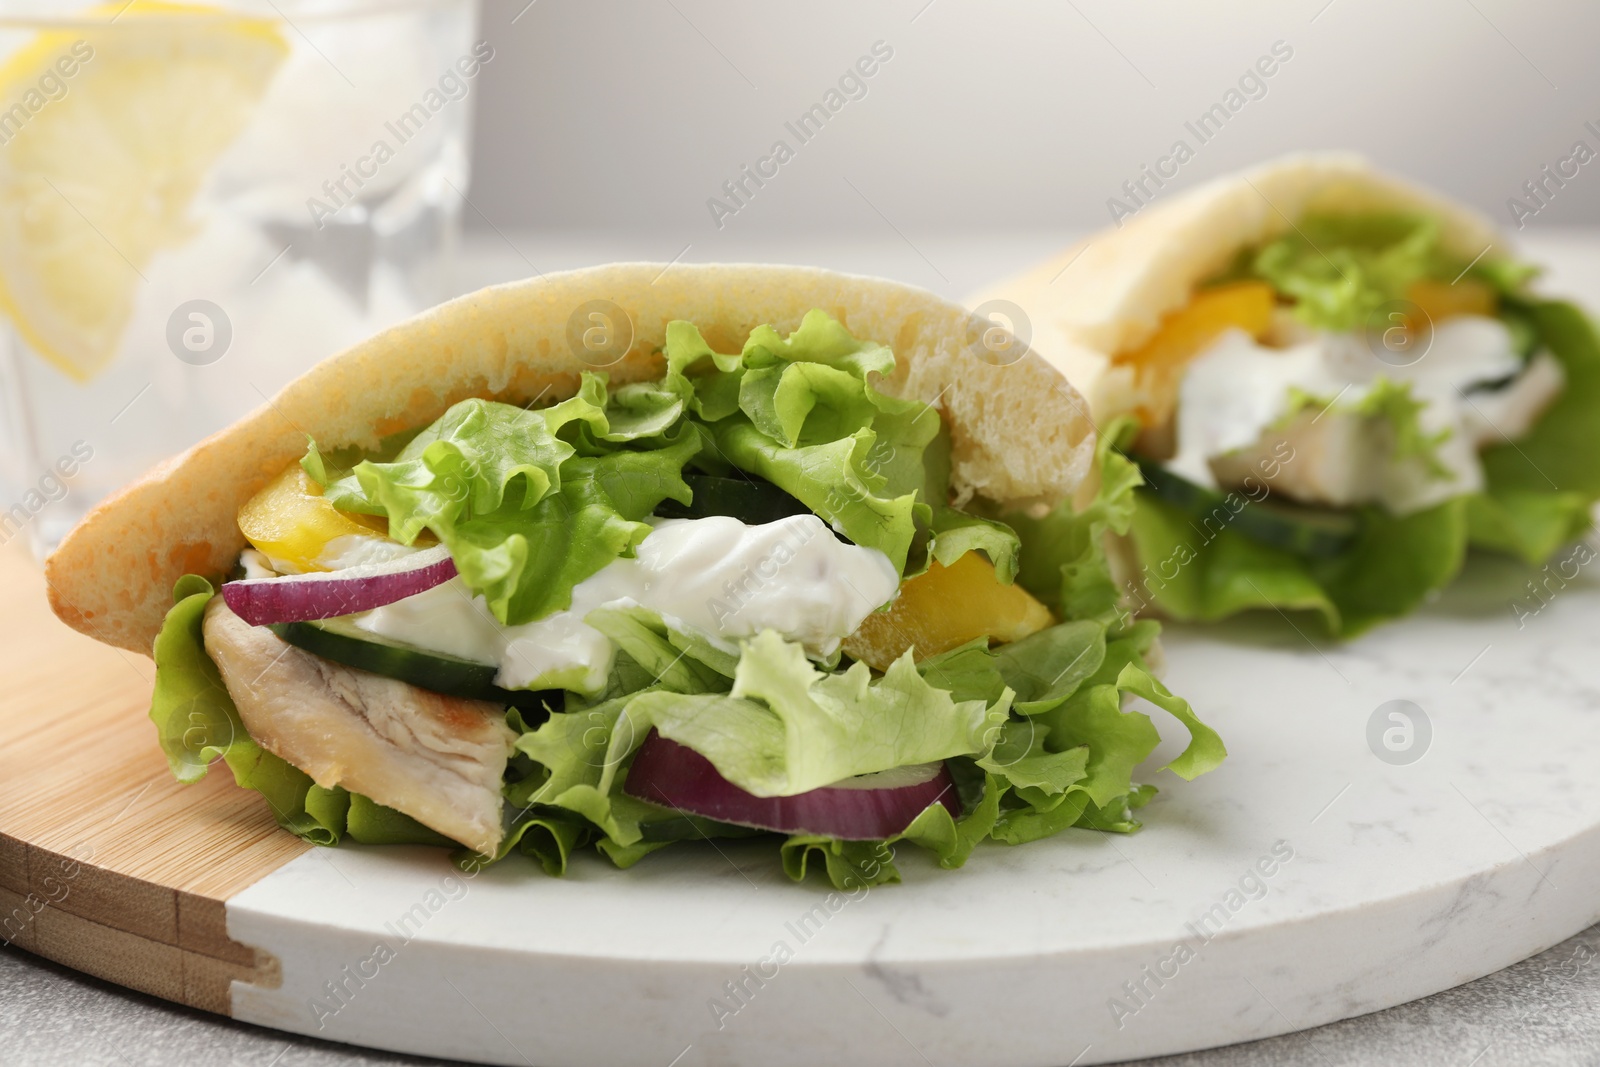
1403,880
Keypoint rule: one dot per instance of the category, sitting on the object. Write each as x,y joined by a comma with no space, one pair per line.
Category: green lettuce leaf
1394,564
502,487
1070,762
950,838
1388,570
1528,523
676,661
526,561
1341,270
966,673
849,865
1106,743
803,413
953,532
787,728
634,412
1540,489
572,792
835,480
1063,559
472,459
1045,668
570,748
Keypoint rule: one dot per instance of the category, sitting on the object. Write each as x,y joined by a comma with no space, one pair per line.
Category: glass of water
198,201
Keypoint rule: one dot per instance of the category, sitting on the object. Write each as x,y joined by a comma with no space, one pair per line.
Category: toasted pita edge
1109,292
1021,435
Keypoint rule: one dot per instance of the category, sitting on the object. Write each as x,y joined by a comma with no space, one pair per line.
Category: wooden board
107,864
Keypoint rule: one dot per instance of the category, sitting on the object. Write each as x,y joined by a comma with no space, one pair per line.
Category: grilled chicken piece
439,759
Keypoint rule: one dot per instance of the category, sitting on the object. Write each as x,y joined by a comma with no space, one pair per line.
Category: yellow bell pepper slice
291,520
1187,332
1442,300
944,608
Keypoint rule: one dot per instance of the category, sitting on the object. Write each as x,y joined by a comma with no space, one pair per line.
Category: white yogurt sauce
715,576
1237,391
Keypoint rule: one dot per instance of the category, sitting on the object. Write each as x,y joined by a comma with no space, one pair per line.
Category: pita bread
1108,294
1020,435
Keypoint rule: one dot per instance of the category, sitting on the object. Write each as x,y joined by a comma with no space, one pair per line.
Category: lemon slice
98,168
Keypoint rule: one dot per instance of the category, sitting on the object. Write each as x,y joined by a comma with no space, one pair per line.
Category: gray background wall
629,114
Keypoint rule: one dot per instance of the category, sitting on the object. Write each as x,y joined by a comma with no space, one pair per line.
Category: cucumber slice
1179,492
340,641
686,827
1305,531
749,499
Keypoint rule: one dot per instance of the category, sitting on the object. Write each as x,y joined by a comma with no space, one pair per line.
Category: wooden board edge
196,966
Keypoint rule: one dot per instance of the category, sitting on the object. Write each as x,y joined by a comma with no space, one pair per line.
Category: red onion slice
327,594
867,808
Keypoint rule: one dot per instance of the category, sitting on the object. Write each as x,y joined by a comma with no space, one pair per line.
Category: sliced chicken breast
439,759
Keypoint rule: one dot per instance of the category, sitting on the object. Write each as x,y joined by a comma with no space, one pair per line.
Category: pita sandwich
1335,382
645,553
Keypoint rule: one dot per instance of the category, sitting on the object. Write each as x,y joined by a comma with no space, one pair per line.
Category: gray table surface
1545,1010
